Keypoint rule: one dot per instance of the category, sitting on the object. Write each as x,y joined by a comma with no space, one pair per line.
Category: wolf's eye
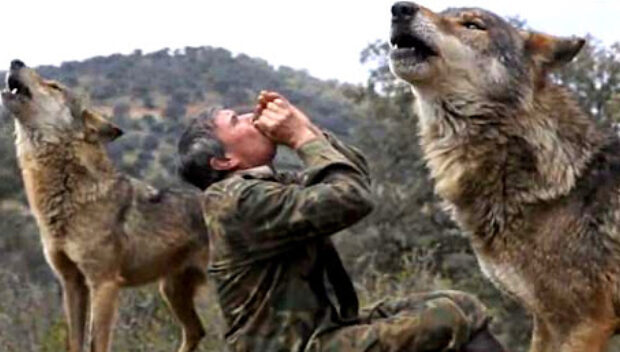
474,25
54,86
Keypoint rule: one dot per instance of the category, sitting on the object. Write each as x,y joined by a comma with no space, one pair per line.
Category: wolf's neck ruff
489,161
57,180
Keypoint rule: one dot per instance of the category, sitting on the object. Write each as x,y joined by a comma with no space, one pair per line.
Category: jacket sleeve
269,215
351,153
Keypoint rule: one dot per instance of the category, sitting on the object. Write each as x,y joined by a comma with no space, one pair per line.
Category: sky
324,37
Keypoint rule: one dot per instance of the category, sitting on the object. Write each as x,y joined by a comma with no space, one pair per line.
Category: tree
595,77
175,109
121,110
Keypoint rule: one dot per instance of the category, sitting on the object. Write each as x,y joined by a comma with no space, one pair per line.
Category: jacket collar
264,172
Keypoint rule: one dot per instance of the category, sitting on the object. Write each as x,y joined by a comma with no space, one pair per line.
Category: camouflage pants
437,321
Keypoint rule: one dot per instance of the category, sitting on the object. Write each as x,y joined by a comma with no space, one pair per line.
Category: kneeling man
279,280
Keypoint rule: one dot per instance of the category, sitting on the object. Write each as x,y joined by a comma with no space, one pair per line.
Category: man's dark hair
198,144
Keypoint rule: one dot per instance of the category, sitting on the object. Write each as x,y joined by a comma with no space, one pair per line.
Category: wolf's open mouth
410,42
16,88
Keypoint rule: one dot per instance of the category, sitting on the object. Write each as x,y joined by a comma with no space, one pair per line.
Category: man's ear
98,128
224,163
549,51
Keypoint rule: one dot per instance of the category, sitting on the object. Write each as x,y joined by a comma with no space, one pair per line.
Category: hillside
174,85
151,96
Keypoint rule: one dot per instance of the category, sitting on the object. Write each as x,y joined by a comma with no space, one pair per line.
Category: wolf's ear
98,128
550,51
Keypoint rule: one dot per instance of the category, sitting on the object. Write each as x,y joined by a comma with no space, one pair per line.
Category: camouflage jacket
270,252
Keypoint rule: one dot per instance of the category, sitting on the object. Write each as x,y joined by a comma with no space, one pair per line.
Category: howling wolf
527,175
101,230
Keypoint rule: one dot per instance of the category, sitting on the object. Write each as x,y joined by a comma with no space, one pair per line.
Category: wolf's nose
404,9
17,64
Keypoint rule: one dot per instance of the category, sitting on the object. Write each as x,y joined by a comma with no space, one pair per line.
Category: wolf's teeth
14,91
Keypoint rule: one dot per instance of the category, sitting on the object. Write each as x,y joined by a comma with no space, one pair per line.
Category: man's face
245,146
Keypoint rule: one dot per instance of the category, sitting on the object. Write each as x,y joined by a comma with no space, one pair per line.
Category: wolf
101,230
528,176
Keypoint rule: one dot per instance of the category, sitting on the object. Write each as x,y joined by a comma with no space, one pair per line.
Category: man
280,283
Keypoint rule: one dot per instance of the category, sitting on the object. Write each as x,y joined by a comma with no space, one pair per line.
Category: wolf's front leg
103,307
75,297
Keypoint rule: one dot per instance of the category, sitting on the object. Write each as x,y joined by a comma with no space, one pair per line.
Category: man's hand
282,122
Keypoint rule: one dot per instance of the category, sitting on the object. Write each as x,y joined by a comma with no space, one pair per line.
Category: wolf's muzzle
15,85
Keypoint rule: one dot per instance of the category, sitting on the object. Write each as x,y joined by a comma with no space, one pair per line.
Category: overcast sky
324,37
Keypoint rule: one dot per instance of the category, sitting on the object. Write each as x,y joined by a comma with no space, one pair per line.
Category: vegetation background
408,244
